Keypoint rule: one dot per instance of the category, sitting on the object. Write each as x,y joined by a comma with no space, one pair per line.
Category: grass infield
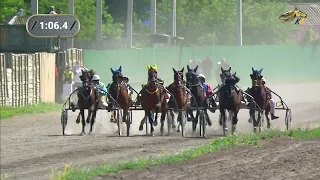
75,173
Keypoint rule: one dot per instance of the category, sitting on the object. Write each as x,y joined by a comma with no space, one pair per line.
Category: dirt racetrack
31,145
282,158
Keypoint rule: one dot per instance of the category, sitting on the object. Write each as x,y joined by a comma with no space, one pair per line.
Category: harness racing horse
198,93
88,98
180,95
229,99
153,98
119,92
261,97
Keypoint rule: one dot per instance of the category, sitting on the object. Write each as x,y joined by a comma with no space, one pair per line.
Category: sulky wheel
64,120
129,122
288,119
203,124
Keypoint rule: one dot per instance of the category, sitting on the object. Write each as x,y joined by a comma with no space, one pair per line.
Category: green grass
70,173
7,112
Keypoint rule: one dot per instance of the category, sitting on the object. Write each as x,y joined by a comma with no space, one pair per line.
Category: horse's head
256,77
191,76
152,73
178,76
86,78
117,76
229,78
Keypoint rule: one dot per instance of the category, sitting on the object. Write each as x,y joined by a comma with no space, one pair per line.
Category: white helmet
263,79
96,77
201,76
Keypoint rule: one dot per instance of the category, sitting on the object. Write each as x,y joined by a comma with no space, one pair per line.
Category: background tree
9,7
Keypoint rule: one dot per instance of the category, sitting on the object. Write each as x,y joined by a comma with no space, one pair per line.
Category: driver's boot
273,117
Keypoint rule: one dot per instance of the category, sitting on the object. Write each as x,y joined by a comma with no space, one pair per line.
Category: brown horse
260,95
199,98
119,92
88,98
153,98
229,99
177,89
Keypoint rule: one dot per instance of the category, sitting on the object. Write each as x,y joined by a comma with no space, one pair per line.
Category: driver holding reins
208,93
102,91
272,102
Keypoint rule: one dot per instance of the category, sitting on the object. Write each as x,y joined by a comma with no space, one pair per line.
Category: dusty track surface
32,145
282,158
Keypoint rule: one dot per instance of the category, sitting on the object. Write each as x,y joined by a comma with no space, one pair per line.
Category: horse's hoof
155,123
250,120
161,129
83,133
225,129
233,129
78,121
152,134
140,127
269,126
178,130
255,129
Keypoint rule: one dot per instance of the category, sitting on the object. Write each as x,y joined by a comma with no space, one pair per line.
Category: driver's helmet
95,77
201,76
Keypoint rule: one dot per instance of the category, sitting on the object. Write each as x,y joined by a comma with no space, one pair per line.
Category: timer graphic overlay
53,25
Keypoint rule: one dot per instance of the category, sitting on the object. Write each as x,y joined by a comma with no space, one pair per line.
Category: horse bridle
179,78
256,80
86,84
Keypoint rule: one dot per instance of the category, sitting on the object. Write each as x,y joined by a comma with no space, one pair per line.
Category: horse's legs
268,110
266,113
143,120
124,115
78,118
208,118
195,121
173,122
224,119
259,119
83,121
151,122
163,116
155,120
93,119
190,112
253,117
179,120
89,115
234,120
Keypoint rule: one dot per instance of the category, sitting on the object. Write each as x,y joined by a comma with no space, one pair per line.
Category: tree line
205,22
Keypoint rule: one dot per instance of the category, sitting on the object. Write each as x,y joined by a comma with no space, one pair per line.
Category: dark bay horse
177,89
88,98
119,92
153,98
260,95
198,93
229,99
